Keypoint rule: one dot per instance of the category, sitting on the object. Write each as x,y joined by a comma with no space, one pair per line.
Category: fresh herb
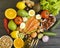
52,5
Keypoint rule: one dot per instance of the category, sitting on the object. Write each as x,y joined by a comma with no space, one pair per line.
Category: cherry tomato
18,20
45,14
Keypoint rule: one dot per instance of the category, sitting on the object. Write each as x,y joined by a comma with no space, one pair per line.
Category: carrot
29,21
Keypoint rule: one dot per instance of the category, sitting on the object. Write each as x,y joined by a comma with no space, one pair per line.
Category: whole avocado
22,13
12,25
37,7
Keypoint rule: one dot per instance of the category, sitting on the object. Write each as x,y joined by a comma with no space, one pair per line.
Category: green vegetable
57,24
52,5
40,36
22,13
51,1
49,34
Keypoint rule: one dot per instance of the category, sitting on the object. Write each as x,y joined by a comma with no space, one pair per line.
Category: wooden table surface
54,42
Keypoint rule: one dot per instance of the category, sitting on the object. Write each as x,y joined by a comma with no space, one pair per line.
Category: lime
21,5
21,35
14,34
10,13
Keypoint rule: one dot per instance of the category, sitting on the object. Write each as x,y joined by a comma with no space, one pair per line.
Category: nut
29,3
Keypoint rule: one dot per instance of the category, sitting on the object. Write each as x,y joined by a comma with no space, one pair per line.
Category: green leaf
51,1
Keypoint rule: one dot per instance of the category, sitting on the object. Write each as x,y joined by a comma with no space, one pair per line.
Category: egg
22,25
45,38
31,12
38,16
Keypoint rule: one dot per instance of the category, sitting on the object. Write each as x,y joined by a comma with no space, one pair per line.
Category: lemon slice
32,13
18,43
10,13
14,34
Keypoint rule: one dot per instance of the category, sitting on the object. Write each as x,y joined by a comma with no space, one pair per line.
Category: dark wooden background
54,42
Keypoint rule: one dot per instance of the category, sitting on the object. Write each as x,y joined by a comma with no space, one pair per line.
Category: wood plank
48,47
7,4
58,16
57,31
51,42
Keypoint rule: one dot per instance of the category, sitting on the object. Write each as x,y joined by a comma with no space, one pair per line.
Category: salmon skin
32,24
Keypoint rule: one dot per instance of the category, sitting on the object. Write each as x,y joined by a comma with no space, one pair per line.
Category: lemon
18,43
14,34
10,13
21,5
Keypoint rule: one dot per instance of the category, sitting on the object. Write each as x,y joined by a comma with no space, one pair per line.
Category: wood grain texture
54,42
